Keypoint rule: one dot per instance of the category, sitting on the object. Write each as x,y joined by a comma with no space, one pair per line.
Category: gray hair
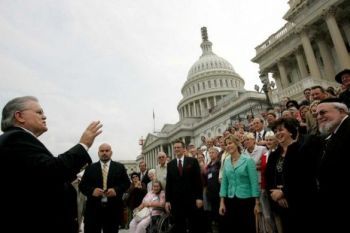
14,105
340,106
152,171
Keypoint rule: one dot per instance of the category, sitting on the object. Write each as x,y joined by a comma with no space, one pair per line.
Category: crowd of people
283,171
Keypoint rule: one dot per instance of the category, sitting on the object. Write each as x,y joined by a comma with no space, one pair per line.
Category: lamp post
141,141
266,88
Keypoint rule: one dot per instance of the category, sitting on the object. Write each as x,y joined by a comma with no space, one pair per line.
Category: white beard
327,127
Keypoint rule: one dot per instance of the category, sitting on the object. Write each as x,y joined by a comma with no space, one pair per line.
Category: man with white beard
333,176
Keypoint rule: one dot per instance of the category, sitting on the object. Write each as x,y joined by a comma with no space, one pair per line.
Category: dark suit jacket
183,190
145,179
117,178
333,179
32,180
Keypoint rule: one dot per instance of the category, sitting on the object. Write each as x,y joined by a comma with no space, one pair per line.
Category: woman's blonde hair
235,140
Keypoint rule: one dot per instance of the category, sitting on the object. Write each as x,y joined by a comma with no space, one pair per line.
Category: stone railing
297,88
274,37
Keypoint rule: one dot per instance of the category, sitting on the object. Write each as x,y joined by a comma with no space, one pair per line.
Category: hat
292,103
341,73
134,174
331,100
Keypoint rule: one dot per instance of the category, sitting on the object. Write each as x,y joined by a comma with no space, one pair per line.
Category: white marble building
213,97
309,50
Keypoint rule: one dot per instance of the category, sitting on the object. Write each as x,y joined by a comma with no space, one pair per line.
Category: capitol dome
207,62
209,80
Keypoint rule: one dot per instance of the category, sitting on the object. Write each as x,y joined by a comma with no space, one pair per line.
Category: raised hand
91,132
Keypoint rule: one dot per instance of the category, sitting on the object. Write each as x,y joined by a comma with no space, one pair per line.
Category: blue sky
117,60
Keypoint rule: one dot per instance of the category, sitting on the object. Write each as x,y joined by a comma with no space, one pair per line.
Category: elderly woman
239,191
268,218
152,177
135,193
155,200
213,186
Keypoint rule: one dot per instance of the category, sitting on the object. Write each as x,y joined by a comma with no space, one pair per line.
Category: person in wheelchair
155,200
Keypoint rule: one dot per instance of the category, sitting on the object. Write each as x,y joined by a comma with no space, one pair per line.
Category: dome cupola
209,80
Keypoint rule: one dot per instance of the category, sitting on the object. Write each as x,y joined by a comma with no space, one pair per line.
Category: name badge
210,175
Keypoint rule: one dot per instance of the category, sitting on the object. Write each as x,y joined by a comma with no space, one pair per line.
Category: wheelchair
161,224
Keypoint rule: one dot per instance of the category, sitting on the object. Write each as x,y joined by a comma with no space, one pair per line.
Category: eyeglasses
161,157
39,111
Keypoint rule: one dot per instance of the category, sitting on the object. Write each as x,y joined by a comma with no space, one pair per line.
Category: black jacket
32,180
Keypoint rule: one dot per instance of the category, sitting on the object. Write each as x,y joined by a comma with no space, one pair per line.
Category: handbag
141,214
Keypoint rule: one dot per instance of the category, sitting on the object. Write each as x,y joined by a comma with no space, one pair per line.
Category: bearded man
334,123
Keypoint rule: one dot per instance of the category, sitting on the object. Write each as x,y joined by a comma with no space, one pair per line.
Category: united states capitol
308,50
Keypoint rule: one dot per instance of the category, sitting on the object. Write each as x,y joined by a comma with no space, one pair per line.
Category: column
214,97
208,104
346,28
283,74
194,109
339,45
327,59
200,107
301,64
310,55
187,112
277,81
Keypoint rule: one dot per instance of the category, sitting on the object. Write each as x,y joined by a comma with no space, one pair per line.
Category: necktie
180,167
104,176
259,137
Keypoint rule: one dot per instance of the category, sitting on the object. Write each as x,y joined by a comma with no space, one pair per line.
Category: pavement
120,231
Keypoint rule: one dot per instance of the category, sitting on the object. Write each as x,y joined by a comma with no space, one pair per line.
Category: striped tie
104,176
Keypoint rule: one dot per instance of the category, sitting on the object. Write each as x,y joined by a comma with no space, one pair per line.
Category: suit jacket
117,178
145,179
33,181
183,190
241,180
333,177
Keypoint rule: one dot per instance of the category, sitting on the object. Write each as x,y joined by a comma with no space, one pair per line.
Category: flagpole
154,122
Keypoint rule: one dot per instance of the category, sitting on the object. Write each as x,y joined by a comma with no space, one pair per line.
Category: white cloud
118,60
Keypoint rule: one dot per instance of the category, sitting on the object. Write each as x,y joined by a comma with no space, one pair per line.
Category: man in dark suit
144,173
104,184
333,120
32,179
184,191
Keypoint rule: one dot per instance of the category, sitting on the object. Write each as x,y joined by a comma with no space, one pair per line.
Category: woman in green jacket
239,190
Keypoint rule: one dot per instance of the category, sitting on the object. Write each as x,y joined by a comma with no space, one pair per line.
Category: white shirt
182,160
107,163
